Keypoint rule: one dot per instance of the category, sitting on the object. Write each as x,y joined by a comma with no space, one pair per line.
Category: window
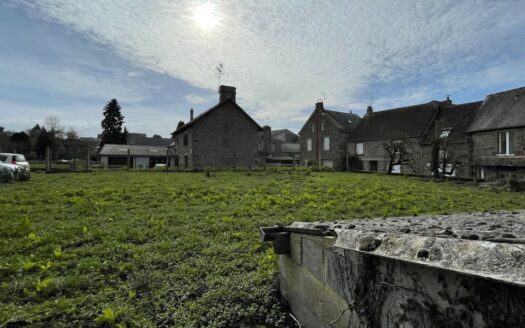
185,140
186,161
3,158
322,125
20,158
309,145
359,150
313,127
445,132
326,143
505,143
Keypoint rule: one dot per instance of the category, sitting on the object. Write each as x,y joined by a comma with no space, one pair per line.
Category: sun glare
205,16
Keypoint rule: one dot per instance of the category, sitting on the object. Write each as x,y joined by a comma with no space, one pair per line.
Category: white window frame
508,143
445,133
309,144
326,143
359,148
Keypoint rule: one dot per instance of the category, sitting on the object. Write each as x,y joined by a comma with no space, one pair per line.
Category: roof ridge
506,92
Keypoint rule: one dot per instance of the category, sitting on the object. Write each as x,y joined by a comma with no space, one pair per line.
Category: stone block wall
338,140
435,271
495,166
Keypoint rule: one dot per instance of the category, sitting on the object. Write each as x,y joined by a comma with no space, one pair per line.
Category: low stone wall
432,271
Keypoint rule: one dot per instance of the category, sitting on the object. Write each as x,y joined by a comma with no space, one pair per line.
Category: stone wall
224,138
338,140
485,156
433,271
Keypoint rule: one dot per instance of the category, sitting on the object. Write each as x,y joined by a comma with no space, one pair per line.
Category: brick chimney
226,92
369,110
319,106
191,114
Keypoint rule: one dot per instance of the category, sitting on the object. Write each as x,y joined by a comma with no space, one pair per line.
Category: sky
158,58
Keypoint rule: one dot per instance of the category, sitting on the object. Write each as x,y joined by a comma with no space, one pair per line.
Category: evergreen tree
21,142
45,139
112,132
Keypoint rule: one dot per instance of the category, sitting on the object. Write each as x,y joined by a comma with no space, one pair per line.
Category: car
8,159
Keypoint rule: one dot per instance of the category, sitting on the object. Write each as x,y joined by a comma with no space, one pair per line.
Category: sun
205,16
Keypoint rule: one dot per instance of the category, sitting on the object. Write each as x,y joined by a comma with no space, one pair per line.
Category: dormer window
322,125
445,133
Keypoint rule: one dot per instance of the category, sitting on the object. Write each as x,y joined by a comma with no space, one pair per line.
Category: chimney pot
227,92
191,114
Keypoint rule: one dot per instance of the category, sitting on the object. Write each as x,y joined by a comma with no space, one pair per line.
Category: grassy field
180,249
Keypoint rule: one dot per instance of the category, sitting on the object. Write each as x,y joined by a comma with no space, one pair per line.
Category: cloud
282,55
194,99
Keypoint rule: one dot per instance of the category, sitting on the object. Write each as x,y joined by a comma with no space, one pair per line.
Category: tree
443,161
179,125
398,153
45,139
52,124
112,132
21,142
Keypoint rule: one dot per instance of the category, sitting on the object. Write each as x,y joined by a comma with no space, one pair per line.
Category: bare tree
444,161
398,152
53,124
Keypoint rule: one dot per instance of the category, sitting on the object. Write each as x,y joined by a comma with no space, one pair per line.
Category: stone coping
488,245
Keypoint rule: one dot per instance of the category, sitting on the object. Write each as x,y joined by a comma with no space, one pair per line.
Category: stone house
224,136
395,132
324,136
498,136
284,148
450,130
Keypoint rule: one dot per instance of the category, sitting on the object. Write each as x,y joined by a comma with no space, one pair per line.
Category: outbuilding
140,157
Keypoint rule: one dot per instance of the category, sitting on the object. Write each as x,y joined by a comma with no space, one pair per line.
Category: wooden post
129,159
48,159
88,163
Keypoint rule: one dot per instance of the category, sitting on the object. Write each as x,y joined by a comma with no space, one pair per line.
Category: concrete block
296,248
312,258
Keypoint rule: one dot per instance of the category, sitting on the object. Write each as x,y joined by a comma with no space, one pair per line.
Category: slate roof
150,141
458,118
501,111
346,120
404,122
284,135
122,150
219,105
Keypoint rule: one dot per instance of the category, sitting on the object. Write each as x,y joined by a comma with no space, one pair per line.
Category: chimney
191,114
350,112
369,110
226,92
449,101
319,106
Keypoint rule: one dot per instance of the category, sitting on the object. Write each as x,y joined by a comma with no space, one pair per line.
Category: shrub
6,175
22,174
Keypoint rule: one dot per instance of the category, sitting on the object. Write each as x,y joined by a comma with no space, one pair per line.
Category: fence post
129,159
88,162
48,159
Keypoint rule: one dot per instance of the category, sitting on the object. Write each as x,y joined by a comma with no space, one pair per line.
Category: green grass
180,249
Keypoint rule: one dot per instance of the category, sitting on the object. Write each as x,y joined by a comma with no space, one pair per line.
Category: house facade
224,136
498,137
391,139
324,137
448,132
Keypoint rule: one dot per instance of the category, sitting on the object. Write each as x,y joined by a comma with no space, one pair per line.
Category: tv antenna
324,96
220,71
